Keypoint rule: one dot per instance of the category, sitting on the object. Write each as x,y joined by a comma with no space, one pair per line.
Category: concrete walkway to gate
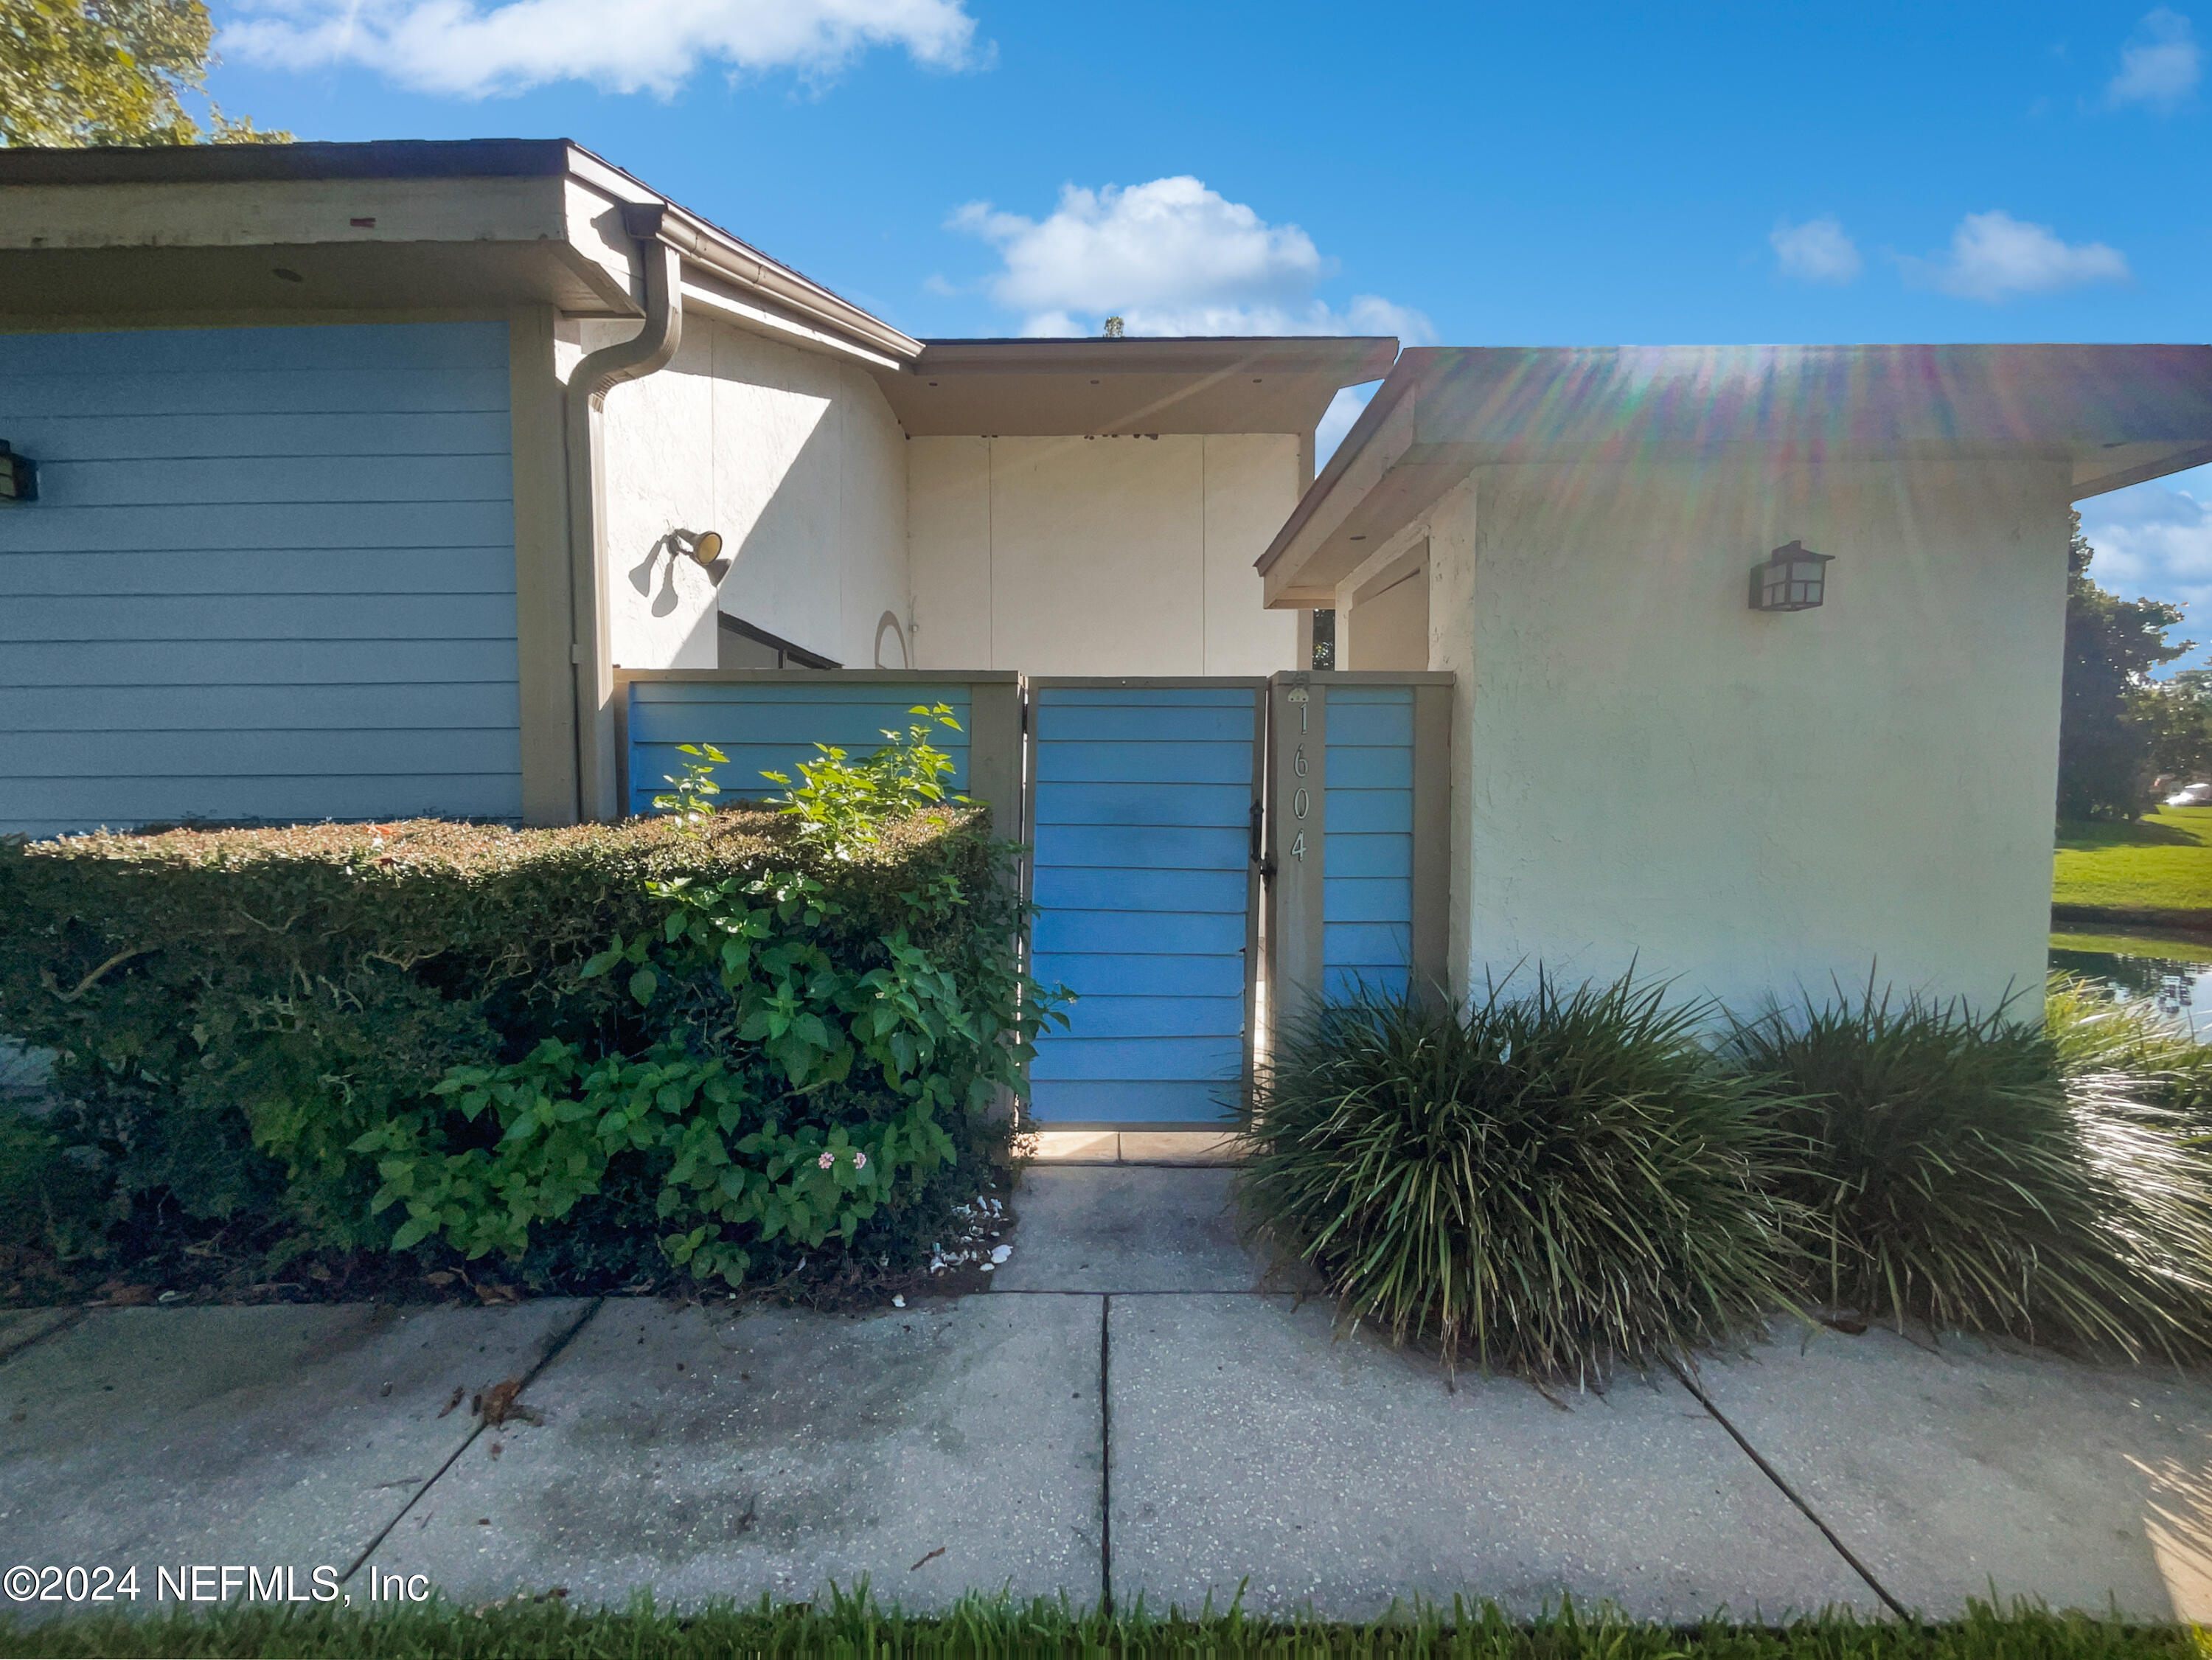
1136,1408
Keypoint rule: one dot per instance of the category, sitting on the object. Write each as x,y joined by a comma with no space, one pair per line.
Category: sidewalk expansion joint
1791,1494
552,1351
1105,1458
38,1337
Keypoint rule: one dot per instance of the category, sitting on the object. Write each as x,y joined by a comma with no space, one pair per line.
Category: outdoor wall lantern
702,547
18,476
1791,578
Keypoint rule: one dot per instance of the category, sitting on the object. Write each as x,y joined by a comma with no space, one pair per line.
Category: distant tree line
2124,739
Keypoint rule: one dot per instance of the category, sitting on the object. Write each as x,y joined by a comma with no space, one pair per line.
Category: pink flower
826,1160
859,1160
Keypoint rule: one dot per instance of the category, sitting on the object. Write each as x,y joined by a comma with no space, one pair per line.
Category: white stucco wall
1646,769
1099,555
795,457
1388,627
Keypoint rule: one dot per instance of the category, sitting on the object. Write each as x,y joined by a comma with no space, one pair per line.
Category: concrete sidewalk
1136,1409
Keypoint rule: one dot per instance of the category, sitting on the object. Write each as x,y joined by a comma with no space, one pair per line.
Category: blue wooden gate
1367,855
770,723
1360,837
1143,794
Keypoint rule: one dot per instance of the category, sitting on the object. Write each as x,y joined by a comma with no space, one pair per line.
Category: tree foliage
2120,730
76,72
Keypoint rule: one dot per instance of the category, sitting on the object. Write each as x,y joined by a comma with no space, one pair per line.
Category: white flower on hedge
826,1160
859,1160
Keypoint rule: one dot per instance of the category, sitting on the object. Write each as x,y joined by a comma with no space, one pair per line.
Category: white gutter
591,651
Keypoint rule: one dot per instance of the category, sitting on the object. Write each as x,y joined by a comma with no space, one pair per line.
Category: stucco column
1451,646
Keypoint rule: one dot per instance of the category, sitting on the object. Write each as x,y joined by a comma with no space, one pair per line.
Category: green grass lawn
981,1630
2174,947
2163,862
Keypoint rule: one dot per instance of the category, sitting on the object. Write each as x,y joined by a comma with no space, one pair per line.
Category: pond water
2174,974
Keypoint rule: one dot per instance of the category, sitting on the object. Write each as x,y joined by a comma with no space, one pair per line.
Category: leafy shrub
429,1035
1955,1173
1554,1182
839,802
793,1089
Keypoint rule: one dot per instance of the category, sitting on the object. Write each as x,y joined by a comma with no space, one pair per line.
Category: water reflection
2173,976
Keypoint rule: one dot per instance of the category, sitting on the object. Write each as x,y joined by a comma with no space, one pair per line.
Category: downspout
591,645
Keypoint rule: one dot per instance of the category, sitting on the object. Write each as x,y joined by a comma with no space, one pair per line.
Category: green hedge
420,1032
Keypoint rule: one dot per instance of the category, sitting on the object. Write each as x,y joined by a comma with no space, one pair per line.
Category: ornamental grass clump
1551,1183
1966,1170
2096,1034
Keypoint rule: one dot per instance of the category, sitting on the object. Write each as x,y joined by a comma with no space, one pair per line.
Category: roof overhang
2119,414
407,225
1056,389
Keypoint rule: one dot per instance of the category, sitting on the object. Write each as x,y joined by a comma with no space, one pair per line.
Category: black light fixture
1791,578
18,476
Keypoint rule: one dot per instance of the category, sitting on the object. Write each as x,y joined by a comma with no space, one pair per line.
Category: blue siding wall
271,575
773,726
1367,862
1142,840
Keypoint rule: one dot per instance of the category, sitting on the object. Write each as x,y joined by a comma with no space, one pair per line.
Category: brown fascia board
700,240
738,262
386,158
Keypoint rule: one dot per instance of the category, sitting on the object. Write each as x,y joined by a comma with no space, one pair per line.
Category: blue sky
1474,175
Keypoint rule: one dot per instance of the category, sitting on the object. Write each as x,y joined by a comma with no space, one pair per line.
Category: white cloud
458,48
1817,250
2156,540
1994,257
1170,256
2162,66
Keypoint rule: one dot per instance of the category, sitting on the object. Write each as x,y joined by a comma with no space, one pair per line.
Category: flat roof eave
475,251
1129,386
2122,414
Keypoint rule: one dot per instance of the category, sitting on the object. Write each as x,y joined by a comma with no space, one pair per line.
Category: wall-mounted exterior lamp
1791,578
18,476
702,547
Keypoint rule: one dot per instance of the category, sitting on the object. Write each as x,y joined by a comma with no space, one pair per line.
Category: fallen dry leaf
457,1393
490,1291
129,1296
497,1404
441,1279
931,1557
